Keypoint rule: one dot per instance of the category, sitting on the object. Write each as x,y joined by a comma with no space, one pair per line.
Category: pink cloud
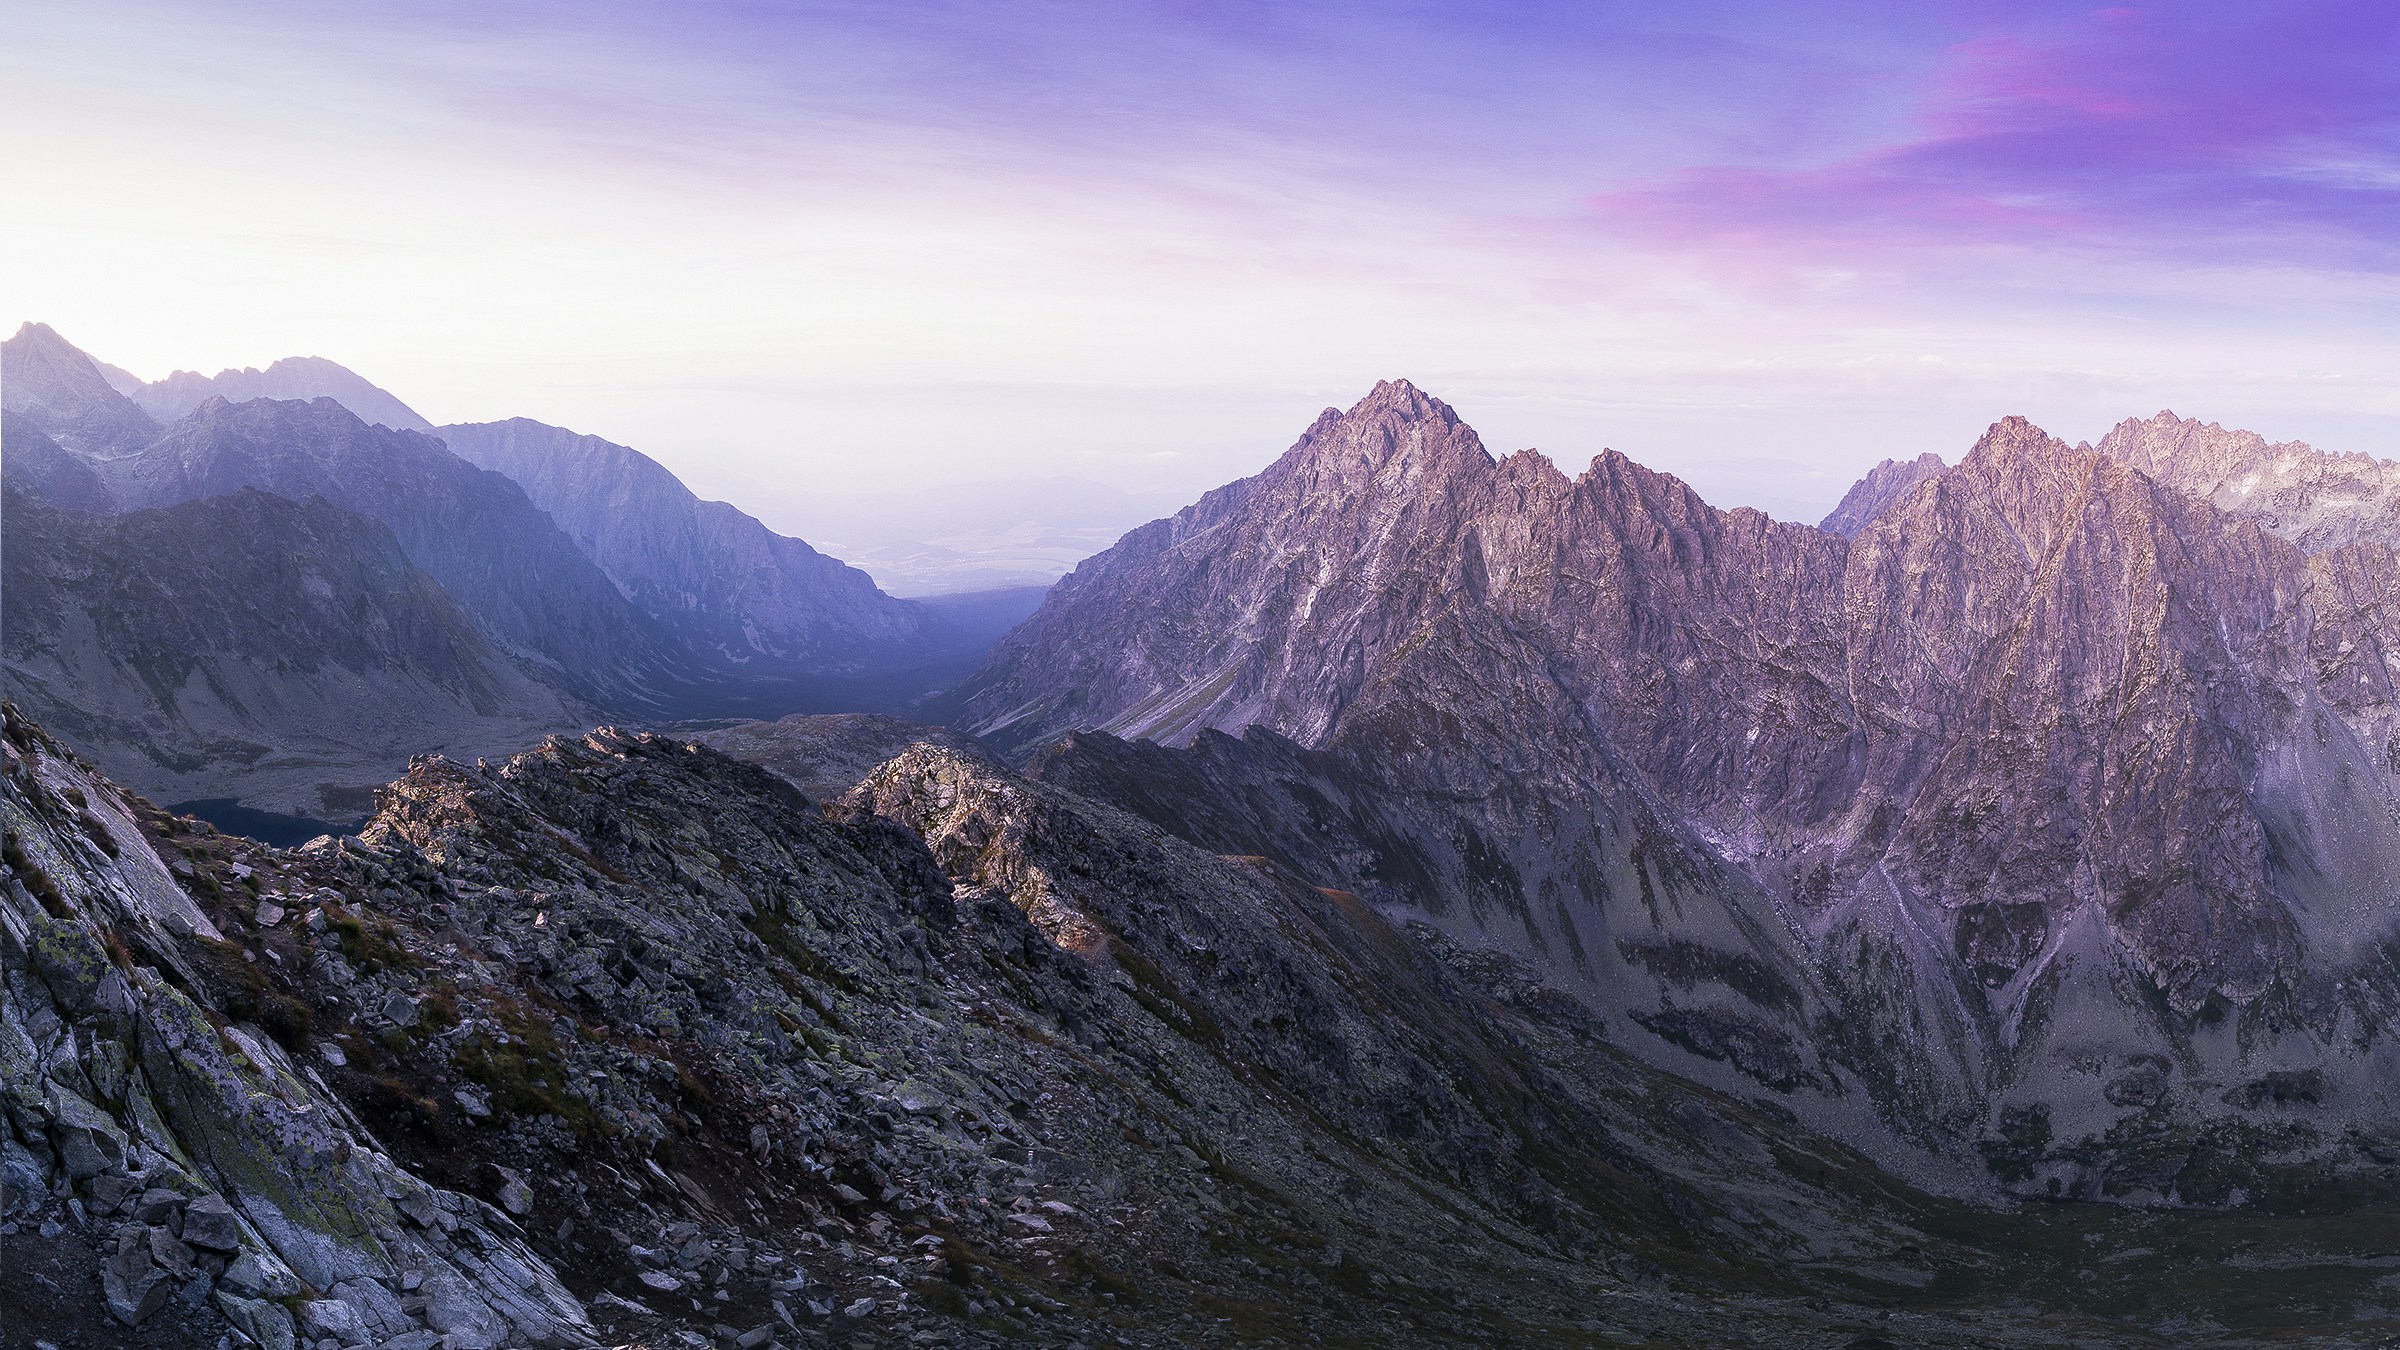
2217,134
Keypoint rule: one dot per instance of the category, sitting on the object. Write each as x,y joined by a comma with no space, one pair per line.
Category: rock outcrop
190,1160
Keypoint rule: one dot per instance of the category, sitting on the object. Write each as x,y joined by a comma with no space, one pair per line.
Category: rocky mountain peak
1398,434
62,392
2045,731
302,378
1884,486
2164,445
2015,440
1615,475
2317,499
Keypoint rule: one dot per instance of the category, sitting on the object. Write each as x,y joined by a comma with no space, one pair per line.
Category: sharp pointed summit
58,390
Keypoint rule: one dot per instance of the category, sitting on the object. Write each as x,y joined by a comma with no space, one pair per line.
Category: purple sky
802,252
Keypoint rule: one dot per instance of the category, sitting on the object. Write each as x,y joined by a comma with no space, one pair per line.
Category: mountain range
1409,895
302,379
616,593
2049,814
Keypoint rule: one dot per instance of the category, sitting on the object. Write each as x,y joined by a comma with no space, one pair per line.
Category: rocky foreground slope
626,1042
2049,818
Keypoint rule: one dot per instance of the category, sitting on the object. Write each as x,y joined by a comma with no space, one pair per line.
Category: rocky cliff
2055,794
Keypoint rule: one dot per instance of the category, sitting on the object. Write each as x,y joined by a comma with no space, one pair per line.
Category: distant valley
458,589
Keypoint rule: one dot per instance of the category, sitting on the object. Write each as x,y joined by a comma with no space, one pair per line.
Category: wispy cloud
2164,136
1699,229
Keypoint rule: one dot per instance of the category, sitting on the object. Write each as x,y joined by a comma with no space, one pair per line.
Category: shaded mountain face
719,579
504,562
294,379
2067,795
297,678
38,465
1871,496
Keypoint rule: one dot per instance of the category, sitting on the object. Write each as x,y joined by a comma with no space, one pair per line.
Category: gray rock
268,1324
333,1317
24,1175
109,1194
159,1206
88,1142
170,1253
378,1307
210,1223
864,1307
420,1209
516,1197
132,1286
400,1010
257,1274
464,1319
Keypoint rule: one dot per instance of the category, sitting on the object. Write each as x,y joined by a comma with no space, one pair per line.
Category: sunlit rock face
2043,788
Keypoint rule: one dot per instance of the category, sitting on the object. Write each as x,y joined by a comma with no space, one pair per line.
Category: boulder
89,1143
210,1224
132,1285
257,1274
160,1207
170,1254
267,1324
325,1317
